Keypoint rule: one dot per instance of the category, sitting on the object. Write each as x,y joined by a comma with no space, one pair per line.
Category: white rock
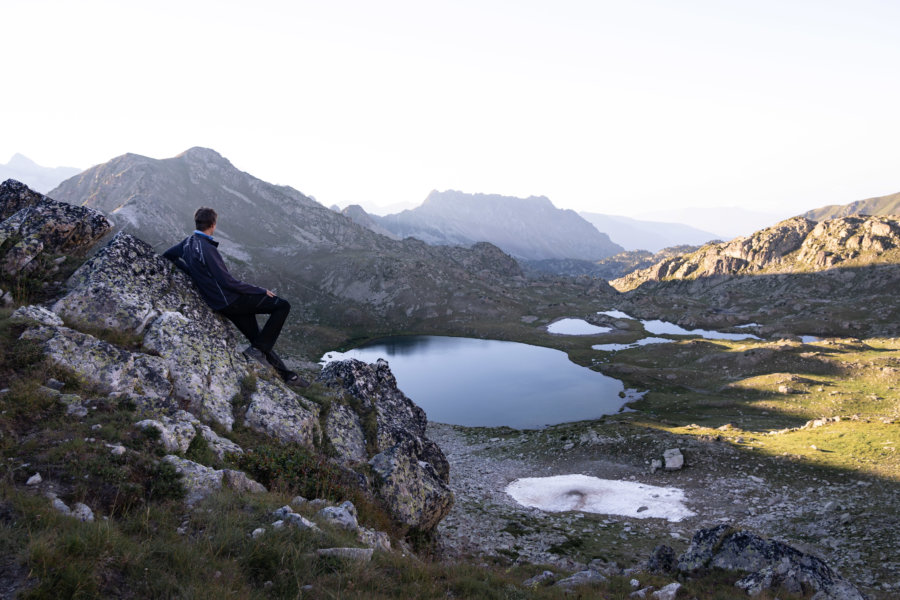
257,532
61,506
339,516
82,512
34,479
674,459
668,592
116,450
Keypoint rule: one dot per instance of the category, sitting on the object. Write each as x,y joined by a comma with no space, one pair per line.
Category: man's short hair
205,218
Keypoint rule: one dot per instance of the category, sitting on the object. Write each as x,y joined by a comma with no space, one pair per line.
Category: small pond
489,383
657,327
640,342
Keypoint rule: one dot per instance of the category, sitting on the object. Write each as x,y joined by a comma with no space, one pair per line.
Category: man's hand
270,293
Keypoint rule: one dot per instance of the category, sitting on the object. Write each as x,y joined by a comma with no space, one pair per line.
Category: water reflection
489,383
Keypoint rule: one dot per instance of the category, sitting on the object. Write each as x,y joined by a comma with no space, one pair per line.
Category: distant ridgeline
526,228
341,274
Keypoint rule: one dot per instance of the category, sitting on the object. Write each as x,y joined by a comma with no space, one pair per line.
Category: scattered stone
61,506
655,465
300,522
278,524
116,450
298,501
769,563
674,459
34,479
539,579
339,516
667,593
581,578
354,554
200,481
635,584
318,503
54,384
240,482
378,540
258,532
82,512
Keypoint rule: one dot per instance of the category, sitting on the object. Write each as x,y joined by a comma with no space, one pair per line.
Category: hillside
882,205
650,236
336,273
526,228
146,457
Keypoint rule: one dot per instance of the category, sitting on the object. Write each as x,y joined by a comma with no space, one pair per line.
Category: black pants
242,312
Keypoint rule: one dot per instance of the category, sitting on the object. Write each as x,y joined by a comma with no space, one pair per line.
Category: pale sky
620,107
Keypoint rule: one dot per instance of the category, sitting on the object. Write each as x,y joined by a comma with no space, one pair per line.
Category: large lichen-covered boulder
280,413
345,433
769,564
411,471
205,370
373,387
127,287
32,224
141,377
411,489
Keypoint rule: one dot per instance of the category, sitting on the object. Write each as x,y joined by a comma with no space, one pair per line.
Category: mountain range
652,236
41,179
340,274
526,228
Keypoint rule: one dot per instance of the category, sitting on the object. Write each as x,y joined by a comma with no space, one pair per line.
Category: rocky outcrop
792,246
34,225
769,564
183,354
412,472
133,327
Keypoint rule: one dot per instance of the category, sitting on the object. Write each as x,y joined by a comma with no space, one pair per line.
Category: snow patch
575,327
606,496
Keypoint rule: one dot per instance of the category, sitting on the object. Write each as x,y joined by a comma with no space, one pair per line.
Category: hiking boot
294,380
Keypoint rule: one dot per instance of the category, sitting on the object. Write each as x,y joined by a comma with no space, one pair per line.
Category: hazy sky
620,107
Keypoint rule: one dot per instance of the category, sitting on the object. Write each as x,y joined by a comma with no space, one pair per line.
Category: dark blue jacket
197,256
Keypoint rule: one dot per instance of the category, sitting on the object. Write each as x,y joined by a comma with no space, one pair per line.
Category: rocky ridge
796,245
882,205
178,363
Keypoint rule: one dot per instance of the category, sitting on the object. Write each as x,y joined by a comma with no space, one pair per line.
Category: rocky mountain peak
794,245
527,228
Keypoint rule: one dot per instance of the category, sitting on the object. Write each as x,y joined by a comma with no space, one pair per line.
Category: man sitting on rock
240,302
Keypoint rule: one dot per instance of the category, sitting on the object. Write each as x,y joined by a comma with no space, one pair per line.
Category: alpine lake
490,383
